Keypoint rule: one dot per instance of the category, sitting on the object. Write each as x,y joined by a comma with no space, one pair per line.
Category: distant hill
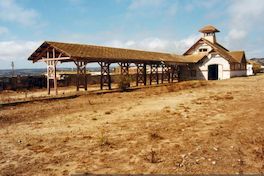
38,71
22,72
258,60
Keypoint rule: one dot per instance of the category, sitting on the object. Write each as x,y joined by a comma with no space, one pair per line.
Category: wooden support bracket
141,74
81,79
105,75
154,73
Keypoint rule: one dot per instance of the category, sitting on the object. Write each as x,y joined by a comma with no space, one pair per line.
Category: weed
154,135
90,102
103,139
108,112
94,118
241,162
152,157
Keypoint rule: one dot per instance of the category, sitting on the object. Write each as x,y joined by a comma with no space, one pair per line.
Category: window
209,34
203,50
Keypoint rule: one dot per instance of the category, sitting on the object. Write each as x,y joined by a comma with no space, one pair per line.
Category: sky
154,25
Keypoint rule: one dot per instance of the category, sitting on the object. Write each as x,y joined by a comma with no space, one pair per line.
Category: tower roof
208,28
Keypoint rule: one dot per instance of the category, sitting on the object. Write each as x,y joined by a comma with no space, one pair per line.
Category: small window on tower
203,50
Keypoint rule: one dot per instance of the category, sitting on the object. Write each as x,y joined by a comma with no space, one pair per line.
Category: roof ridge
236,51
231,58
69,43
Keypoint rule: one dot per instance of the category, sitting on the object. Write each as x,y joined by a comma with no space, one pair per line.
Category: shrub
256,68
124,82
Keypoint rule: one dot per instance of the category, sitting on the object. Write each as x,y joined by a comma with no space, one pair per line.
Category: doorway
213,72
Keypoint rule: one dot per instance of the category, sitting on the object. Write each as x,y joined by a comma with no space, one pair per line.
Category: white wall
250,70
223,67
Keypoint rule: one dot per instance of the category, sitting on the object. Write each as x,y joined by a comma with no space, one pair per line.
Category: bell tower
209,33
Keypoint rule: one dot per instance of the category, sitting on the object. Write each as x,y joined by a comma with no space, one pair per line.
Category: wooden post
145,74
108,76
78,77
174,72
55,78
157,73
48,78
162,73
150,75
137,78
55,72
85,79
101,76
168,74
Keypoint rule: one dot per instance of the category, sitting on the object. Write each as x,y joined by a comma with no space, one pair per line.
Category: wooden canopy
81,55
68,52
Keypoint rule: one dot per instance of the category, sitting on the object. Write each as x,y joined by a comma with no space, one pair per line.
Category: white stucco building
214,62
250,71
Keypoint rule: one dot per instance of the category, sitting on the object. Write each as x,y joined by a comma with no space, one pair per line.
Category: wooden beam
54,59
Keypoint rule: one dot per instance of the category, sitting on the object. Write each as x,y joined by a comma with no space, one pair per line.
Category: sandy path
215,128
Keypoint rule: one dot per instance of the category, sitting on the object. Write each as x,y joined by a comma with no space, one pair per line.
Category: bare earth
189,127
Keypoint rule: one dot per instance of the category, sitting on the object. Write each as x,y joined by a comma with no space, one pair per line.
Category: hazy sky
158,25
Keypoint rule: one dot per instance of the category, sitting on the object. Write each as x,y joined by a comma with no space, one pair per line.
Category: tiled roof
237,55
208,28
220,50
94,53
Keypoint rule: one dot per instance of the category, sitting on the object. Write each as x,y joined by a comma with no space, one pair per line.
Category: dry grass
103,139
185,85
218,128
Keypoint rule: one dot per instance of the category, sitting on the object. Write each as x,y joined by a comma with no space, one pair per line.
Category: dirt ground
188,127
